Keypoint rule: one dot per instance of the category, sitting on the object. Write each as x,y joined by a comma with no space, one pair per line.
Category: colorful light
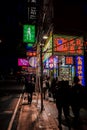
80,69
29,33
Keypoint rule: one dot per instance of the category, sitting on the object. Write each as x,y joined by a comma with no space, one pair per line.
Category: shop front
64,57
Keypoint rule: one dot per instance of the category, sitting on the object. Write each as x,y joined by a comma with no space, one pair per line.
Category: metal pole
41,79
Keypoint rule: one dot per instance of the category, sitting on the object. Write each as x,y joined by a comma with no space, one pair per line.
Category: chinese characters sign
69,60
68,45
80,69
33,12
33,8
29,33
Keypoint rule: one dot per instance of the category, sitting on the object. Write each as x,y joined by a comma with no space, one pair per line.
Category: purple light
22,62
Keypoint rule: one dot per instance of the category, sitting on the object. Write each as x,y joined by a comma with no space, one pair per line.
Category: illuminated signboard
31,53
29,33
51,63
69,60
33,12
22,62
29,46
68,45
48,49
33,8
80,69
32,61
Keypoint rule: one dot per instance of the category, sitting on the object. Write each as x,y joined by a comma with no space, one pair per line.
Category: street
10,94
17,114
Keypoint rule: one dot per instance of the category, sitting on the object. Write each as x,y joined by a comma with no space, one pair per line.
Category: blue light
81,58
60,41
29,47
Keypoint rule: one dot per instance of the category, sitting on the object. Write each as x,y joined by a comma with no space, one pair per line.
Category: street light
45,37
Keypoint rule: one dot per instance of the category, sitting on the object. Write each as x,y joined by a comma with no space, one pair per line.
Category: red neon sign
69,60
68,45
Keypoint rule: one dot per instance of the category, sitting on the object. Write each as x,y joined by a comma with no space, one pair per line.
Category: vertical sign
80,69
29,33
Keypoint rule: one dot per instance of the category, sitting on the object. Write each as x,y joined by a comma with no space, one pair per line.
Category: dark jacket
62,93
29,87
76,94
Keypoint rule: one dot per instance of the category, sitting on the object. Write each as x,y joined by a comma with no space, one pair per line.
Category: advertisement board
29,33
23,62
68,45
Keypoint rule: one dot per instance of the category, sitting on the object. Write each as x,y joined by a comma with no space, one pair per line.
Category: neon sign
29,33
80,69
22,62
52,62
68,60
68,45
31,53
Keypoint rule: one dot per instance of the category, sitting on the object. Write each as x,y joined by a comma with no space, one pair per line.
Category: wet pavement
31,117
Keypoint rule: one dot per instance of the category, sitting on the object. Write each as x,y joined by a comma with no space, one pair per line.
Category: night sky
71,15
11,18
13,15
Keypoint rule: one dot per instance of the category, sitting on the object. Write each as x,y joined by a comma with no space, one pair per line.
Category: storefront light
45,37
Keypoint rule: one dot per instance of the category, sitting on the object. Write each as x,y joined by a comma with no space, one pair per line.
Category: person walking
29,88
76,99
61,95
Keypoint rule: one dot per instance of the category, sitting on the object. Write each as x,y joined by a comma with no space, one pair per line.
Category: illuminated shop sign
80,69
32,61
31,53
22,62
29,46
67,45
29,33
47,50
52,62
69,60
33,7
46,64
33,12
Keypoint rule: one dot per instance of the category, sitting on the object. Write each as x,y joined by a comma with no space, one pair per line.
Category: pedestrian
76,99
29,88
33,83
61,95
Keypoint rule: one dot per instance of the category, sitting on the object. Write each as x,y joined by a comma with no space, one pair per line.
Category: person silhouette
61,95
29,87
76,99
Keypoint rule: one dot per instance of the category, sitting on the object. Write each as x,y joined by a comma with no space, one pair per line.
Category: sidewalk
32,119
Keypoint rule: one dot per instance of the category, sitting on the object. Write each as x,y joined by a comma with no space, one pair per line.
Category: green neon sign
29,33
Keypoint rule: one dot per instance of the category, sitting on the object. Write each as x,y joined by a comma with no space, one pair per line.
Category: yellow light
45,37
